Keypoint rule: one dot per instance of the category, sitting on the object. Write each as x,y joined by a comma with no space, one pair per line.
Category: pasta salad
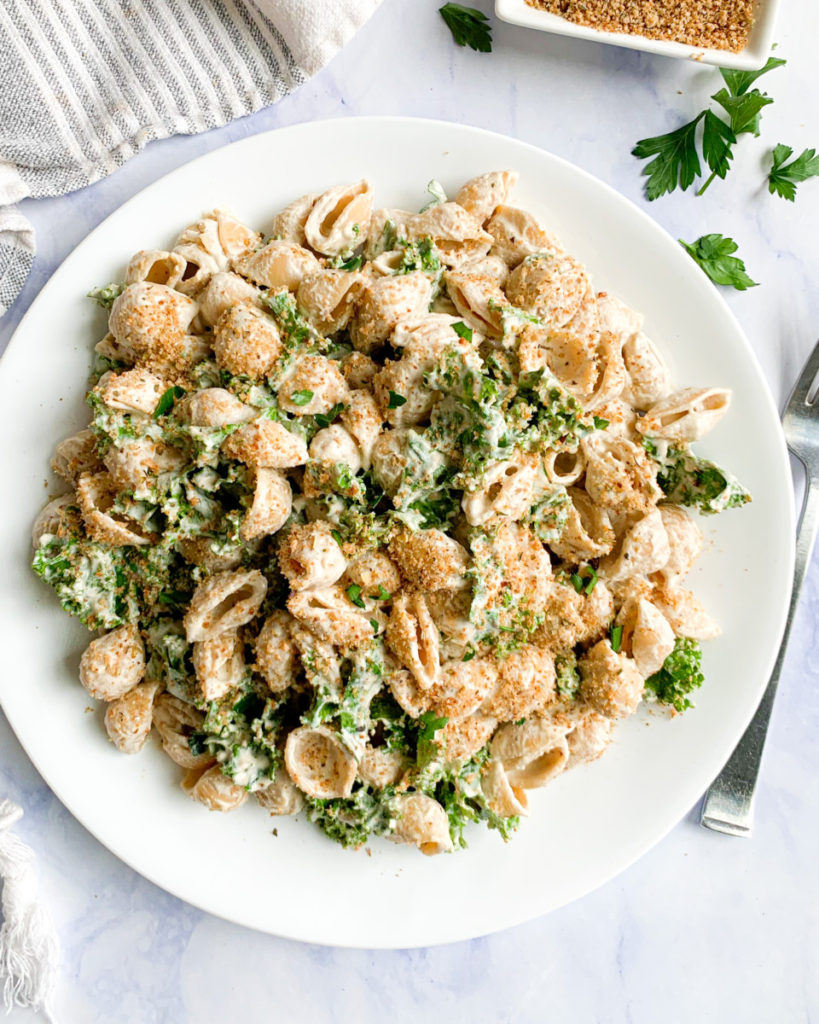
381,517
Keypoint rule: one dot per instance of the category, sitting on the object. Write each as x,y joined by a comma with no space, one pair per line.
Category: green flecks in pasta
503,618
299,337
351,821
546,414
567,680
549,515
458,790
364,678
687,479
169,658
241,732
392,728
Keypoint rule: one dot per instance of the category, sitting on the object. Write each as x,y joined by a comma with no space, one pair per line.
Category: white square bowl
753,56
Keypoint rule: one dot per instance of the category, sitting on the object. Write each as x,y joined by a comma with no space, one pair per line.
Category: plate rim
617,197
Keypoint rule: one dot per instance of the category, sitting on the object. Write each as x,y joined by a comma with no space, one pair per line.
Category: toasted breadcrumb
713,24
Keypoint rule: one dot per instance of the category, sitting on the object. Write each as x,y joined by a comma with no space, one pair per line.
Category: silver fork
729,802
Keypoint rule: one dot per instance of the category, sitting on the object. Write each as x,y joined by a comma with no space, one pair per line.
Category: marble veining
704,927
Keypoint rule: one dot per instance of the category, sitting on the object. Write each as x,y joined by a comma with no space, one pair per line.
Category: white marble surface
704,927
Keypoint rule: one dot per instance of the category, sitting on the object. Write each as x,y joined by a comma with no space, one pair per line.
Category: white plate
588,825
751,57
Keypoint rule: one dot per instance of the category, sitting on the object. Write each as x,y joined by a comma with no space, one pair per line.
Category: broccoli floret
681,673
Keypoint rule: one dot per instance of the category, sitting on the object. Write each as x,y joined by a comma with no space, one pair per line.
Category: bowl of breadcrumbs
729,33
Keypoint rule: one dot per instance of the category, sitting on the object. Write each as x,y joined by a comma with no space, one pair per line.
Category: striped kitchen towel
84,84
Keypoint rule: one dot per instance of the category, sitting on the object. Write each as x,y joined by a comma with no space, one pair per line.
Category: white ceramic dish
588,825
753,56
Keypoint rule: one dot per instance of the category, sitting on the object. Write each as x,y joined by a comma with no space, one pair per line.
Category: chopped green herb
784,177
600,423
428,725
337,537
469,27
577,582
462,330
396,400
353,263
301,397
324,419
714,254
374,624
354,594
383,594
616,638
166,402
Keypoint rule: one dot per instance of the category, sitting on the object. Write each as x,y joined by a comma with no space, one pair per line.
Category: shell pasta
382,518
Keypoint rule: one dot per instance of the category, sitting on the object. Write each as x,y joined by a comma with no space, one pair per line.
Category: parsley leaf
351,264
428,725
462,330
743,111
354,594
717,139
713,254
301,397
675,159
166,402
396,400
324,419
740,82
616,638
600,423
784,177
469,27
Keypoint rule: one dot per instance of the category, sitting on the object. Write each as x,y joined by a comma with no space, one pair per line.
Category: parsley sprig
714,253
676,162
469,27
784,177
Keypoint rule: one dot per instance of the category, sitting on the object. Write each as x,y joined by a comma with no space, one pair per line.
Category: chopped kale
680,675
105,295
687,479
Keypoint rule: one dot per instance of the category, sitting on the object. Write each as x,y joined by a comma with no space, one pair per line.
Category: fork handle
729,802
